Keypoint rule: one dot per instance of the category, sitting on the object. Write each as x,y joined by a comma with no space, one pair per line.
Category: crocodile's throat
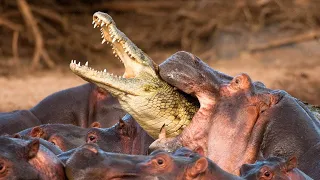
150,100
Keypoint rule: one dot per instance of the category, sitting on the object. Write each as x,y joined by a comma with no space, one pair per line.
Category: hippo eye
92,138
2,168
237,81
53,143
267,174
160,161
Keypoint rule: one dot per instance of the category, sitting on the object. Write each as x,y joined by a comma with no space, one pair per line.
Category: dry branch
10,24
31,23
287,41
134,5
15,51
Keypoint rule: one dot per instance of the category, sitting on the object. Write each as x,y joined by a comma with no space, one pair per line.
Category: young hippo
237,118
273,168
21,159
89,162
126,137
65,136
182,164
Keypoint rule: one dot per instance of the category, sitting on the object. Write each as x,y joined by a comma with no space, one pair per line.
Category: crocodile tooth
116,55
87,63
113,40
95,25
93,22
79,64
114,52
103,41
102,23
99,20
105,70
107,42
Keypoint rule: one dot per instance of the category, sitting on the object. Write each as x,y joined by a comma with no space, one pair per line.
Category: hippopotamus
64,136
273,168
90,162
80,106
15,121
238,118
24,159
181,164
126,137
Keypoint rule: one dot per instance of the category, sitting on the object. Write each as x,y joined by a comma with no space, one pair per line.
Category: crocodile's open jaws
141,92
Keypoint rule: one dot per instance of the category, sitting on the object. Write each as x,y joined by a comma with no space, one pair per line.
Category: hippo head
21,159
271,168
124,137
65,136
90,162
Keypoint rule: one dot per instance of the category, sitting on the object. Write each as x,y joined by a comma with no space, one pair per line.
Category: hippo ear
32,148
292,163
37,132
199,150
199,167
95,125
163,133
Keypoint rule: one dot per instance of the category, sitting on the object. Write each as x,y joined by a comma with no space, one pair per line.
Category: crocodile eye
2,168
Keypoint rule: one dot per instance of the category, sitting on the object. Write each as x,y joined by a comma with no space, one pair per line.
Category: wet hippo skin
238,118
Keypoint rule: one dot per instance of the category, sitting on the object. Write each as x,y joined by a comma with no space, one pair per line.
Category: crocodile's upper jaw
133,58
137,64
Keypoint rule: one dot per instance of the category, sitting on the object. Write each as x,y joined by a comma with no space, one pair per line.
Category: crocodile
141,92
